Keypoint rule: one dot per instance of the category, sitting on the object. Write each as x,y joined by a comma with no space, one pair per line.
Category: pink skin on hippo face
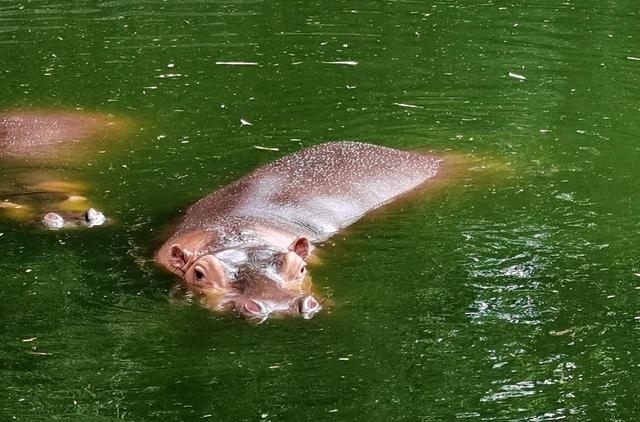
255,281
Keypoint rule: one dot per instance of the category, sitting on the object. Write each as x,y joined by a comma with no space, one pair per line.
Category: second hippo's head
243,274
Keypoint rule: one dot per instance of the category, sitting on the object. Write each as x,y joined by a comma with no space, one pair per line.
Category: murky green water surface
510,296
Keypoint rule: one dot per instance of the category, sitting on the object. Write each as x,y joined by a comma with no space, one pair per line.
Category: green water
511,297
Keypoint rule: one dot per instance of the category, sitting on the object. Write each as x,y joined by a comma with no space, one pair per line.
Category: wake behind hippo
245,246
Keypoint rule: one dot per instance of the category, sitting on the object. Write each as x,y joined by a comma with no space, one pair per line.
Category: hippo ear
301,247
178,259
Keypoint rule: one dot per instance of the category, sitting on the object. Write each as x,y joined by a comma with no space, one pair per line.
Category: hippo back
51,135
314,192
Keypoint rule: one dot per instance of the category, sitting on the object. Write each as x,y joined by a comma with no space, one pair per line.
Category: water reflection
507,264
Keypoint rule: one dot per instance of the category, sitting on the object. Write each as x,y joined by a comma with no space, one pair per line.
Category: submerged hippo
33,140
245,246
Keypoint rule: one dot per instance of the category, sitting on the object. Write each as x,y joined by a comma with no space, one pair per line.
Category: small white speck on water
244,122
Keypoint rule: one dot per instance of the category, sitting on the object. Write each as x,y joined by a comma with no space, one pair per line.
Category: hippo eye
198,273
302,272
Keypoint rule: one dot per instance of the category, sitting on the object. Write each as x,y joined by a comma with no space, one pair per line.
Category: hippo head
253,278
263,293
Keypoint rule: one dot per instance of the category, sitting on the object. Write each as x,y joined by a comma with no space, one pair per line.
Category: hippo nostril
255,310
254,307
92,217
53,220
309,306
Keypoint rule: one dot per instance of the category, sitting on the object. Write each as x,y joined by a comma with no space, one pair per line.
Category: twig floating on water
407,105
237,63
266,148
345,63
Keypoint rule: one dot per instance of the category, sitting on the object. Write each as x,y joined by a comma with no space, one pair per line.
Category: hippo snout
259,310
309,306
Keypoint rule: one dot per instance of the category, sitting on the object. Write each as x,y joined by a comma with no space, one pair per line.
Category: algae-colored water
508,296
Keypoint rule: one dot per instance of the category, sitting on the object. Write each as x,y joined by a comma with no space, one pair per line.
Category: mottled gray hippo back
246,244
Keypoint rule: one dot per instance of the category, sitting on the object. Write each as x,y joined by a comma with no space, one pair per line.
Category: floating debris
637,59
265,148
31,352
517,76
344,63
244,122
237,63
407,105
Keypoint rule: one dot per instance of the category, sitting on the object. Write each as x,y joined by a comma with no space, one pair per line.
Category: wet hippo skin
34,145
245,246
48,134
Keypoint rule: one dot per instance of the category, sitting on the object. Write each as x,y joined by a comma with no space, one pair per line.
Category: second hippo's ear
301,246
178,259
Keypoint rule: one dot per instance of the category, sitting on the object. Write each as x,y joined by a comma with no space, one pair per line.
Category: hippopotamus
245,246
33,140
